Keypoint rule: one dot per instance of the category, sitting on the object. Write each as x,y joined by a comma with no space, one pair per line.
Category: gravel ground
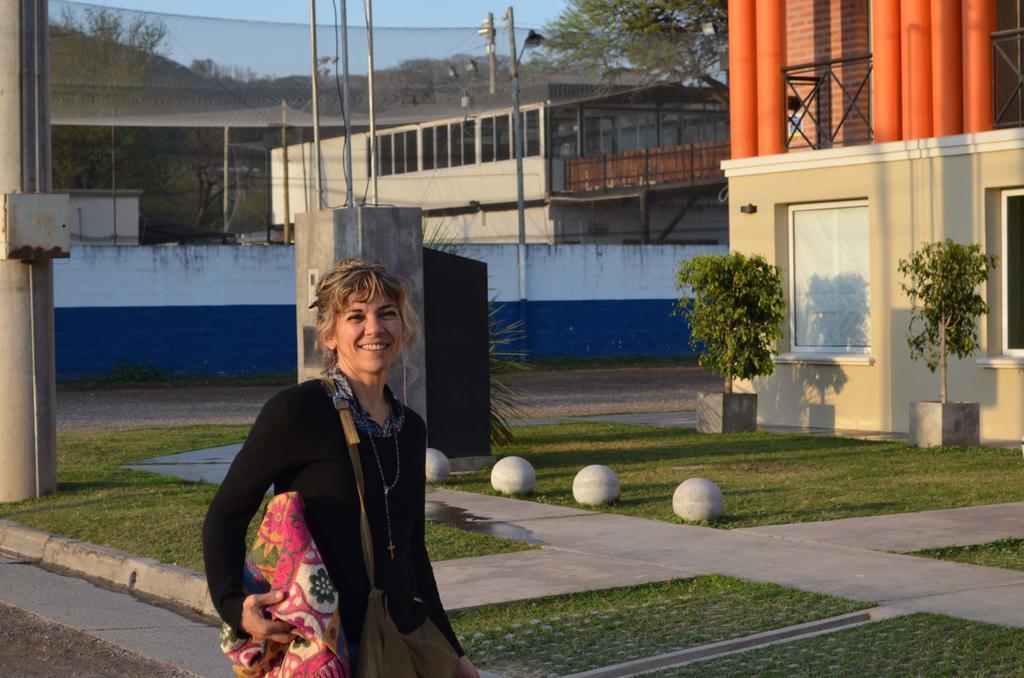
545,394
32,647
591,392
159,407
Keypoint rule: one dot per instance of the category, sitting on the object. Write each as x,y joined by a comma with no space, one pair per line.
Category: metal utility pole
224,190
284,175
344,104
27,372
518,144
316,106
369,92
492,58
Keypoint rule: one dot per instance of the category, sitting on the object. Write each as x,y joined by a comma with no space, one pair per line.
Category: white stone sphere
437,466
697,499
513,475
595,484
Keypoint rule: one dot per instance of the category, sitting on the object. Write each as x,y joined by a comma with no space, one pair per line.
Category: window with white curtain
830,264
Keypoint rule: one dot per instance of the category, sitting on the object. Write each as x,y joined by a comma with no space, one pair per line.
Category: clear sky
405,13
272,38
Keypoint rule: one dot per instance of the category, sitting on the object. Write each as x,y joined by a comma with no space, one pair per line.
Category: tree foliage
942,283
654,40
103,45
736,312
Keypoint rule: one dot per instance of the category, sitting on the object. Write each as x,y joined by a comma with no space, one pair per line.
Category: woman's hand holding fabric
255,622
466,668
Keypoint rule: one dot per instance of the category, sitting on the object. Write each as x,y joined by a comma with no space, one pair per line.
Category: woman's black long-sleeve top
297,444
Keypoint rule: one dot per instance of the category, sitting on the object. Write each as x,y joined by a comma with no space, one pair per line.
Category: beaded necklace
384,483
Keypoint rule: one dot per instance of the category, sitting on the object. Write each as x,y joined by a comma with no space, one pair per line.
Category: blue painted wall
231,340
261,339
610,327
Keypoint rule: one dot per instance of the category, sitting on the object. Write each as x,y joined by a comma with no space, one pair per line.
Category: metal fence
828,103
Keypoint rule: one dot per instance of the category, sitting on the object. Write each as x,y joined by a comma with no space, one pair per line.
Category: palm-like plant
506,359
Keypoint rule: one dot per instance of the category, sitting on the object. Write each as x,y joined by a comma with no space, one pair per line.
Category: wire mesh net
189,110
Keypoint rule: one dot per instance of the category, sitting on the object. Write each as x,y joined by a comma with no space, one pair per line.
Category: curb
168,583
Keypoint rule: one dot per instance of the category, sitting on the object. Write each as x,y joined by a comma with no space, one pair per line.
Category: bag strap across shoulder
348,425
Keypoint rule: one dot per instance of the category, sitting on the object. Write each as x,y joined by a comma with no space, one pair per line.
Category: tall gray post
27,375
390,235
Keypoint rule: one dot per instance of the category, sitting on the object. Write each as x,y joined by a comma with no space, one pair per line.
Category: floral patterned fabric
285,558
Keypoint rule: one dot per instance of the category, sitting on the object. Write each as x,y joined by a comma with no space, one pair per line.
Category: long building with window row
602,165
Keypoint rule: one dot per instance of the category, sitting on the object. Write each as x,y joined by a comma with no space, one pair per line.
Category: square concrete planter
935,424
726,412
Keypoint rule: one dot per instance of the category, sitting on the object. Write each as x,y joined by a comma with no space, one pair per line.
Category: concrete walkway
584,547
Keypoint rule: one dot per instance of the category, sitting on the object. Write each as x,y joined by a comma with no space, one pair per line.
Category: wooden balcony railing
697,163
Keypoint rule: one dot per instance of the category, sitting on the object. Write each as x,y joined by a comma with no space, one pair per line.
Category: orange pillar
742,78
947,68
885,50
916,68
979,20
771,48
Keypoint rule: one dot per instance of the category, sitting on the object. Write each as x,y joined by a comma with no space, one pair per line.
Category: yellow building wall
916,192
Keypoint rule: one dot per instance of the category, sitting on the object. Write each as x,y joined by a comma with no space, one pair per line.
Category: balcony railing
1007,78
689,164
828,103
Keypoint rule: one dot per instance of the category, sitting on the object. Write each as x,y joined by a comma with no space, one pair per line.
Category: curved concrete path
586,549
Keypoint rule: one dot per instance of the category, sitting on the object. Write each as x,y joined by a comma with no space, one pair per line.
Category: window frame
1004,276
503,151
381,155
791,230
427,148
468,145
488,139
442,156
455,144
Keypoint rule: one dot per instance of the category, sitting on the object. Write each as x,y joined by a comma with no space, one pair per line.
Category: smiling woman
364,319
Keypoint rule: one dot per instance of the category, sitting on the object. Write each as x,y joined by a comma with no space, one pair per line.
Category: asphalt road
544,394
32,647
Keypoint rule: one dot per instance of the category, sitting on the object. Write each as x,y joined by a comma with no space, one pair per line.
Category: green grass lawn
1005,553
157,516
915,645
565,634
766,478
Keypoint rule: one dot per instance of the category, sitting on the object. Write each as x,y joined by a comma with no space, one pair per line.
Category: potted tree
735,313
942,280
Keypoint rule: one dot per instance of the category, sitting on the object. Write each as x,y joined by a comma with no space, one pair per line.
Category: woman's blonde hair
359,280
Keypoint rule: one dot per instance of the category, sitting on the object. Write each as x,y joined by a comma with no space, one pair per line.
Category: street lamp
533,39
453,75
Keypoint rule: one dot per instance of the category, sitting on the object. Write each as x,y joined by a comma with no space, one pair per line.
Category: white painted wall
581,272
228,275
175,275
